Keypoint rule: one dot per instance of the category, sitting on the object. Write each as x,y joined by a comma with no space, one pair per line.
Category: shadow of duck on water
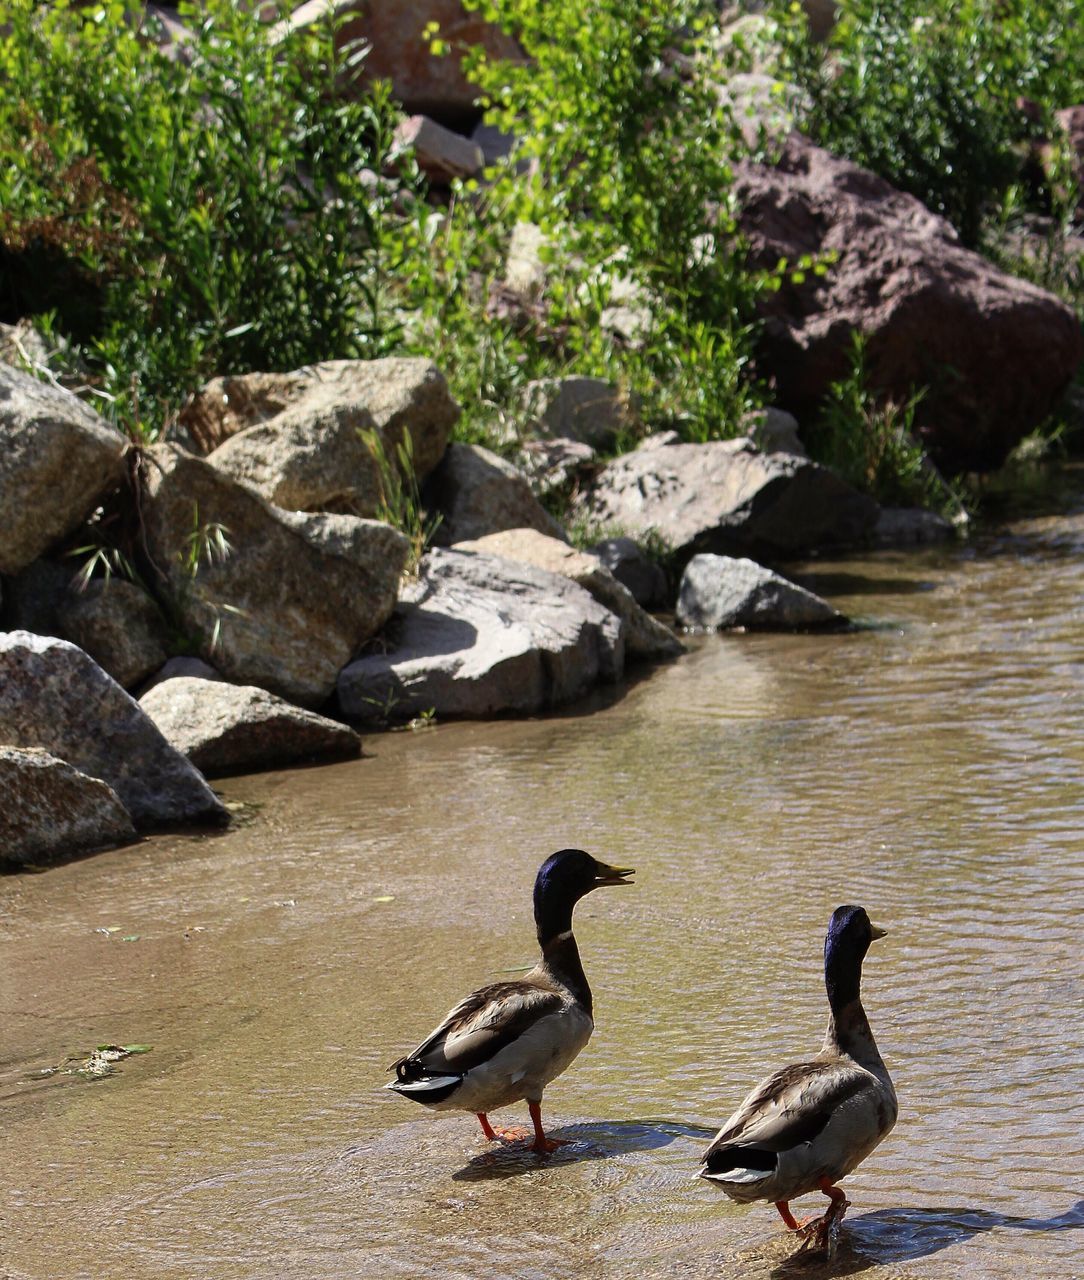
589,1141
893,1236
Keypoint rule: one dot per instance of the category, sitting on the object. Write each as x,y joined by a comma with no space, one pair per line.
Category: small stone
720,591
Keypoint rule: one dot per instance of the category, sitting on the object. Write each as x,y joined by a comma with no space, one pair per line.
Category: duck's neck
560,955
848,1027
561,958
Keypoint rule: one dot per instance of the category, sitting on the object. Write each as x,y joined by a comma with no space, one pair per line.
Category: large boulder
645,636
53,696
57,458
229,728
995,353
720,591
478,635
295,597
297,437
52,812
477,493
120,626
726,496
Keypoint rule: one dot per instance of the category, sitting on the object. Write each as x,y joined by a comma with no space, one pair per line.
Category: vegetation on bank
170,218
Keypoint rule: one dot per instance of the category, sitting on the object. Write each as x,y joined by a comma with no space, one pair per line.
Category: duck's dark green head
849,936
563,880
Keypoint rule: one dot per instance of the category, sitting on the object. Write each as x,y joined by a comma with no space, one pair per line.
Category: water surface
929,767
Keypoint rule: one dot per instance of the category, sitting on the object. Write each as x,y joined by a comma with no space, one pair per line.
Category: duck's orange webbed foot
542,1145
516,1133
823,1233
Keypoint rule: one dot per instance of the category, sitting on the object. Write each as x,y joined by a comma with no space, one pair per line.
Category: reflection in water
930,767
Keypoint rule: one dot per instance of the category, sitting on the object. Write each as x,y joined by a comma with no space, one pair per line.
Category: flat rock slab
296,597
226,728
478,635
719,591
52,812
53,696
730,498
57,458
645,637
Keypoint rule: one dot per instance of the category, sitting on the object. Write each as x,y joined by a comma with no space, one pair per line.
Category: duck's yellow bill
613,875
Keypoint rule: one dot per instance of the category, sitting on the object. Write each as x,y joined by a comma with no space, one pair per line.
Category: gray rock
181,665
228,728
728,497
21,344
120,626
53,696
589,410
477,493
525,270
718,591
634,569
297,595
479,635
495,144
645,637
774,431
57,458
440,153
52,812
37,594
551,466
911,527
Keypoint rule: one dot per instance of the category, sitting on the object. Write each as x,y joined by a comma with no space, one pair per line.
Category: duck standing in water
807,1126
507,1041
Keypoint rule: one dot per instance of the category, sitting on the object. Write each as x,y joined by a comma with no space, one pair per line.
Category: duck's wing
791,1107
478,1028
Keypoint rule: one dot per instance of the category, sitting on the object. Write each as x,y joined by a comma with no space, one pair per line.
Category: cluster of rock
255,544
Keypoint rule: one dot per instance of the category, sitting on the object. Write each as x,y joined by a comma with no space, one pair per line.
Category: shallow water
930,767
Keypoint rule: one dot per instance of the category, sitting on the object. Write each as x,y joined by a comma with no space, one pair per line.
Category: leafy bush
871,443
216,212
927,96
624,163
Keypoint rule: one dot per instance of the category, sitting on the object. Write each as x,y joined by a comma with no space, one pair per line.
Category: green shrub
218,213
871,443
927,96
624,163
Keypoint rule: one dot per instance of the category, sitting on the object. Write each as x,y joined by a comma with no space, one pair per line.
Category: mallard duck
807,1126
507,1041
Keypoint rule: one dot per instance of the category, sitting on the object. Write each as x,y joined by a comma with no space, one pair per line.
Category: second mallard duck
807,1126
507,1041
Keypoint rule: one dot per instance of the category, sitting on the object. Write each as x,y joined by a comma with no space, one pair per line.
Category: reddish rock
429,85
995,352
